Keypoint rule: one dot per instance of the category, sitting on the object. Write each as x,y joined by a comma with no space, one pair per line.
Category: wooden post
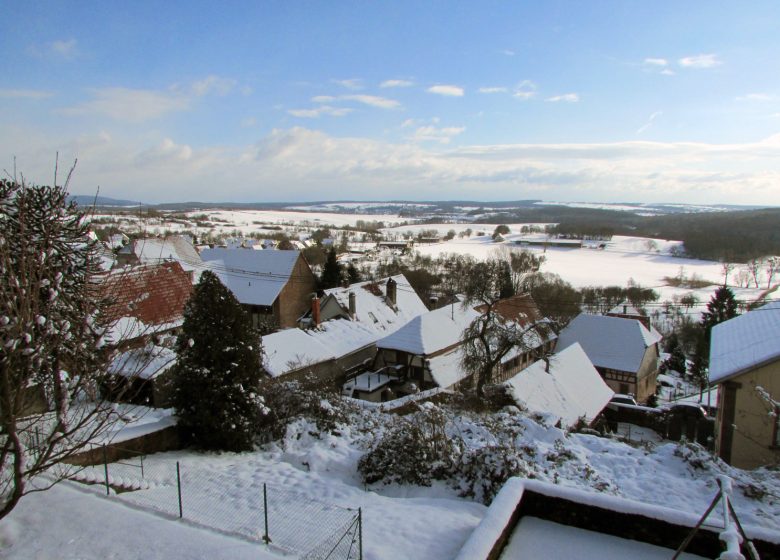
360,533
266,538
178,484
105,470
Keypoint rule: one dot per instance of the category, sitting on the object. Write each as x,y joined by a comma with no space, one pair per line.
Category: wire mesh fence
233,504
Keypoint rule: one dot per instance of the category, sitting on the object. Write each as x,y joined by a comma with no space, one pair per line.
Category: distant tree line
735,236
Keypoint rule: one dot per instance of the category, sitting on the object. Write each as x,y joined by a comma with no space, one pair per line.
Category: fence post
360,533
105,469
178,485
142,467
266,538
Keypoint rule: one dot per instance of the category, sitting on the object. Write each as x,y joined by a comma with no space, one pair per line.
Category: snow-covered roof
625,309
173,248
745,342
143,300
431,332
254,277
446,369
372,307
292,349
571,390
143,363
609,342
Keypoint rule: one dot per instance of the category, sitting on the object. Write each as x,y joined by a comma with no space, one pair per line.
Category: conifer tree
721,307
216,378
331,271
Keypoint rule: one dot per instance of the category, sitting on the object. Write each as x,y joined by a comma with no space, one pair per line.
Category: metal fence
280,518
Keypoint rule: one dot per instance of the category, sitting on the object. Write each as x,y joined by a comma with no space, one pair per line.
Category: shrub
415,449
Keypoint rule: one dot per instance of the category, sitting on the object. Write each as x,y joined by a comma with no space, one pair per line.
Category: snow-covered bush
309,397
483,471
415,449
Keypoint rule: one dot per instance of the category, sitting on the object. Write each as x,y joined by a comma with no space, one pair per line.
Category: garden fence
233,504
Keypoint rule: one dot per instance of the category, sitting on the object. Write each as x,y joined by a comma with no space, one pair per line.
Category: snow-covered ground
400,521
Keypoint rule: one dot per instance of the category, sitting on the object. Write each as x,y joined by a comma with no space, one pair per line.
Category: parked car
685,410
618,398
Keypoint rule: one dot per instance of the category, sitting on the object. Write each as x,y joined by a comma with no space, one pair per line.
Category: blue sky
268,101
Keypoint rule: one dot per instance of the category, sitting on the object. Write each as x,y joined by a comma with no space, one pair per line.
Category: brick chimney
390,292
315,310
352,305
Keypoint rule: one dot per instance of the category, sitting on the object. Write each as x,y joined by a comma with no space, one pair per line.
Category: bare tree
772,268
727,268
754,266
491,337
51,361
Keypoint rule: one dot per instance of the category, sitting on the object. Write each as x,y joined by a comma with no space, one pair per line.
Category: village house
627,311
623,351
342,328
426,352
745,365
565,387
275,287
178,248
145,312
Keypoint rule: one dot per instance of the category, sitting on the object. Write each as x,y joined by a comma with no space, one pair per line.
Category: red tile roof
154,294
520,309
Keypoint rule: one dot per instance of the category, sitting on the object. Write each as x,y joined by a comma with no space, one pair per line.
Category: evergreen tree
331,271
505,287
676,359
721,307
353,274
218,370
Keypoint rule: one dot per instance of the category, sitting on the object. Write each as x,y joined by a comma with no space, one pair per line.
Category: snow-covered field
399,521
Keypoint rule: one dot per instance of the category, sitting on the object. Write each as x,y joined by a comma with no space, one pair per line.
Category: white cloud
132,105
351,83
371,100
289,165
524,90
757,97
396,84
667,72
433,134
139,105
60,49
656,62
167,151
507,52
24,94
319,111
649,122
213,84
446,90
492,90
700,61
566,98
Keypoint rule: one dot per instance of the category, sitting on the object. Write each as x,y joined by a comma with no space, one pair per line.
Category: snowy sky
267,101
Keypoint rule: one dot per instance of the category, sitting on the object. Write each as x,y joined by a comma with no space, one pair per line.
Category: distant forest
735,236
